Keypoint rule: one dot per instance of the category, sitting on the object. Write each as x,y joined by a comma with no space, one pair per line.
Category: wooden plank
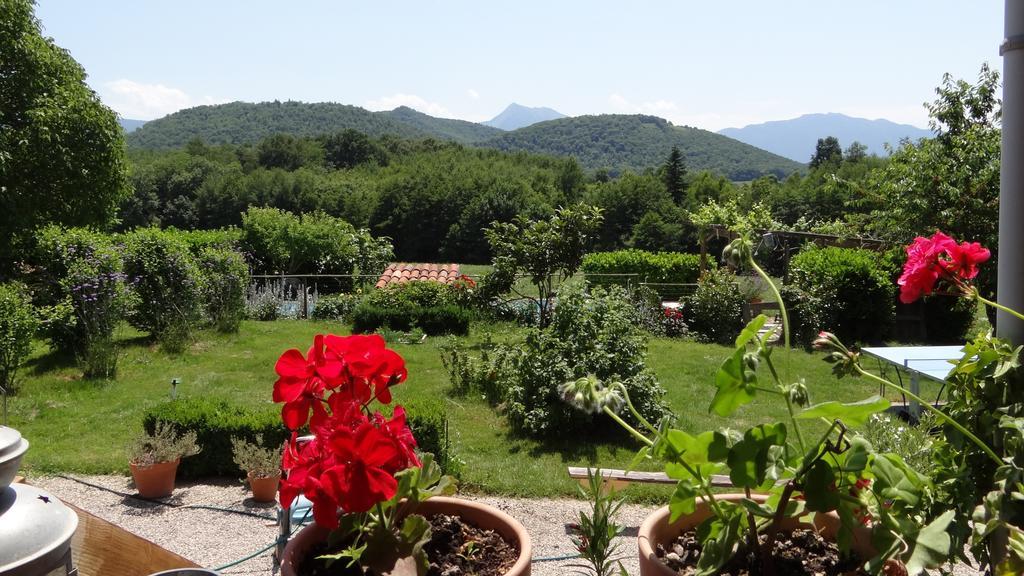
621,477
101,548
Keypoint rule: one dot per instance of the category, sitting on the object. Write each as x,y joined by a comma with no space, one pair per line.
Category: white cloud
473,94
141,101
412,101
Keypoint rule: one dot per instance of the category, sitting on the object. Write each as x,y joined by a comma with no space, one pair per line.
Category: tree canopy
61,150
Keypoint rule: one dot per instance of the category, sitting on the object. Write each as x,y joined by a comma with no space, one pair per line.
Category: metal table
930,362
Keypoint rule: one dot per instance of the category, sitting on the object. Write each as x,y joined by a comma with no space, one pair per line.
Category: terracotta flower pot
264,489
656,529
155,480
481,515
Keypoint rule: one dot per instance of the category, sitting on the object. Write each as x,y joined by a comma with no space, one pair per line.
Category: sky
708,64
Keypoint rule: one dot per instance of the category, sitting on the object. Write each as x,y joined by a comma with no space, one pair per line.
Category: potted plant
791,486
153,459
377,504
262,467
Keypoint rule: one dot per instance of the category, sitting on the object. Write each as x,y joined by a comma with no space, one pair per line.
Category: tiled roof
404,272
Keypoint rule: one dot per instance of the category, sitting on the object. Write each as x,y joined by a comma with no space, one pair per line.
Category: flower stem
942,415
628,428
997,305
778,298
636,414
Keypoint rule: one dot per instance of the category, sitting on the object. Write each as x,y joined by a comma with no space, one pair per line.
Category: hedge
215,422
659,267
433,320
855,294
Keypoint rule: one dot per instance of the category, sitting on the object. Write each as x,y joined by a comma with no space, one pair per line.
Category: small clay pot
656,530
155,480
264,489
481,515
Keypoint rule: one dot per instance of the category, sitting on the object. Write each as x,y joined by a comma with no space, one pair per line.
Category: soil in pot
801,552
455,547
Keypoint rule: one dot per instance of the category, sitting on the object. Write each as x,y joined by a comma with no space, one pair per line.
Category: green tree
61,150
18,325
674,173
950,182
855,152
827,151
547,251
350,148
288,152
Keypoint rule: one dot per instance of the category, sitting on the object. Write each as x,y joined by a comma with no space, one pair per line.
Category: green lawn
82,426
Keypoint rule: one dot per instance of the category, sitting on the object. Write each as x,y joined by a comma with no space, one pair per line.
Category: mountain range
611,142
796,138
129,125
517,116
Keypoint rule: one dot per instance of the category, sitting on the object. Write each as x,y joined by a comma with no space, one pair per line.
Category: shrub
433,320
673,324
803,310
715,311
428,421
168,283
335,306
476,375
589,334
226,278
256,458
162,444
855,295
948,320
83,295
411,294
215,422
655,267
18,325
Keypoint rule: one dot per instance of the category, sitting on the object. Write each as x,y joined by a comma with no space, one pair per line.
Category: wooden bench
618,479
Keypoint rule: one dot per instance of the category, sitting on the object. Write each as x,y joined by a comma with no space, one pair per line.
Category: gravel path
213,538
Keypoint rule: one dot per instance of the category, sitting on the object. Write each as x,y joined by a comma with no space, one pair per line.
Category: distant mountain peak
517,116
795,138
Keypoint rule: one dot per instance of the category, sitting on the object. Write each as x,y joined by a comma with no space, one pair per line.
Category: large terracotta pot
475,513
264,489
656,529
155,480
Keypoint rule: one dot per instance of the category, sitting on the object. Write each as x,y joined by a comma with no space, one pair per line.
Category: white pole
1010,285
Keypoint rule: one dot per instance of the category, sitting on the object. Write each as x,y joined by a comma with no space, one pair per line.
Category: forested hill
612,142
445,128
635,142
246,123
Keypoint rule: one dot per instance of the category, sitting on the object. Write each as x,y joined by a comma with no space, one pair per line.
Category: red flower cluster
351,461
935,259
673,313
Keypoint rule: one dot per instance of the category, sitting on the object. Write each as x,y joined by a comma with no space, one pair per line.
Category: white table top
930,361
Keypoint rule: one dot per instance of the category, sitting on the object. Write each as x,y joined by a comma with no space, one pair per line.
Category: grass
82,426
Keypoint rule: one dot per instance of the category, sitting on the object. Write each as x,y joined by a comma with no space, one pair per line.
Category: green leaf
931,546
735,385
852,414
749,458
683,500
750,331
820,488
721,537
894,480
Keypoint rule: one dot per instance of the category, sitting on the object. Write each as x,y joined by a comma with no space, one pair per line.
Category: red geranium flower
302,381
935,259
359,480
351,461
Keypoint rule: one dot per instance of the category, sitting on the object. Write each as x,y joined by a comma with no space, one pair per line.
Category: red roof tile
402,272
